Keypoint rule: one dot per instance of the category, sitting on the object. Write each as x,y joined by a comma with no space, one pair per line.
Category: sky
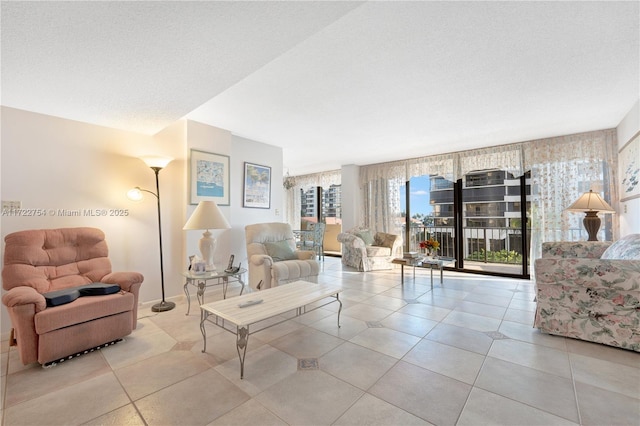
420,187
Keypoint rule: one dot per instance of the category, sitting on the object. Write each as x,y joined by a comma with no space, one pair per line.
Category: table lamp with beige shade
591,203
207,216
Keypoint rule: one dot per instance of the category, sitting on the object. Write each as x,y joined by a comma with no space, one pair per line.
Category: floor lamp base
163,306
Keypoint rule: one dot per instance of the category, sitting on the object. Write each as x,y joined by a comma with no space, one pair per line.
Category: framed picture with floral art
629,172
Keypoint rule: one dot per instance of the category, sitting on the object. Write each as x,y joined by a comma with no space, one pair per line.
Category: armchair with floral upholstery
590,291
368,251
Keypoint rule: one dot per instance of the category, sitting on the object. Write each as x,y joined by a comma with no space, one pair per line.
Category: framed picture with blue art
629,163
257,186
209,177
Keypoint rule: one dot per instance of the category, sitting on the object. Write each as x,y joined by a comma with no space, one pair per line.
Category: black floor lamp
156,164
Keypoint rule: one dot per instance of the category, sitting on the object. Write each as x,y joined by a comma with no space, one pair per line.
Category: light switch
11,205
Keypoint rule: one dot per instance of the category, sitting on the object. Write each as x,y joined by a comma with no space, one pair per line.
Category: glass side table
200,282
424,262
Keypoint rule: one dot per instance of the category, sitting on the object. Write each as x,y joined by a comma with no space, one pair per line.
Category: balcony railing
499,245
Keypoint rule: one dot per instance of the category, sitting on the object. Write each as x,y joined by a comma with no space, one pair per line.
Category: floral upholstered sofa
369,251
590,291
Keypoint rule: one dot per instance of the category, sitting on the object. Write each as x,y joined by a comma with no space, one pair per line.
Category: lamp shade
207,216
156,161
134,194
591,202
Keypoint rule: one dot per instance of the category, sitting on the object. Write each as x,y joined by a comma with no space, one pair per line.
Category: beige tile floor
463,353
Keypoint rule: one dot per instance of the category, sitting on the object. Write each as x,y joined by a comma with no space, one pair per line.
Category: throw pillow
280,250
366,237
386,240
627,248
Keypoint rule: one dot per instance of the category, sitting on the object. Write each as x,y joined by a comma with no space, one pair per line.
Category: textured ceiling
332,83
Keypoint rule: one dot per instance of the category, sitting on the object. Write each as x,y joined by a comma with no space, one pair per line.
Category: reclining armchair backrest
258,234
53,259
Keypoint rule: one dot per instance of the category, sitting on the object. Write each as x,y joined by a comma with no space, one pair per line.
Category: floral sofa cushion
374,251
627,248
591,299
578,249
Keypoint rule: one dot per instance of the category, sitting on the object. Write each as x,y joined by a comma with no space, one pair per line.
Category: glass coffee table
430,262
200,282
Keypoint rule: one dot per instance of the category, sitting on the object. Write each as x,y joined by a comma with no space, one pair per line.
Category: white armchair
273,258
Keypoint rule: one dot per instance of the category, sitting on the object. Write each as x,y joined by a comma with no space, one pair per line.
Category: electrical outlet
625,207
11,205
277,212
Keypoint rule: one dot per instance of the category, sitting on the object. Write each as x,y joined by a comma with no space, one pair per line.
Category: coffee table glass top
427,261
437,260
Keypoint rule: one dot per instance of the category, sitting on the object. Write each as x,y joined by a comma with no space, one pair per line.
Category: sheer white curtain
381,207
562,169
435,165
293,186
502,157
380,189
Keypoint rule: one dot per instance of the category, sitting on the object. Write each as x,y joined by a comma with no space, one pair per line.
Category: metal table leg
203,317
186,292
225,284
242,338
431,268
240,280
202,286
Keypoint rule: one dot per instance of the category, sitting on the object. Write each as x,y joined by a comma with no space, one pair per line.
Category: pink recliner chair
38,262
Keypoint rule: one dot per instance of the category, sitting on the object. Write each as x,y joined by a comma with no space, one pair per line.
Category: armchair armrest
260,271
575,249
351,240
261,260
24,296
129,282
126,280
23,303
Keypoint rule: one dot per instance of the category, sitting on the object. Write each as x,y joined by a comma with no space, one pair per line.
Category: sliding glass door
319,204
495,236
481,220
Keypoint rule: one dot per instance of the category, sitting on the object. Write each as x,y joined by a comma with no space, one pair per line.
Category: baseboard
174,299
192,295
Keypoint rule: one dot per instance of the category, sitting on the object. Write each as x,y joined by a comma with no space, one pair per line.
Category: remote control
249,303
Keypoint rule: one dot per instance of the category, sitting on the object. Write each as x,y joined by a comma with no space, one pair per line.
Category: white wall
211,139
56,164
351,204
206,138
629,211
264,155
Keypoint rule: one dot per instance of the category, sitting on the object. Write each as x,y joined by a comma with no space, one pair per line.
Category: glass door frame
458,226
